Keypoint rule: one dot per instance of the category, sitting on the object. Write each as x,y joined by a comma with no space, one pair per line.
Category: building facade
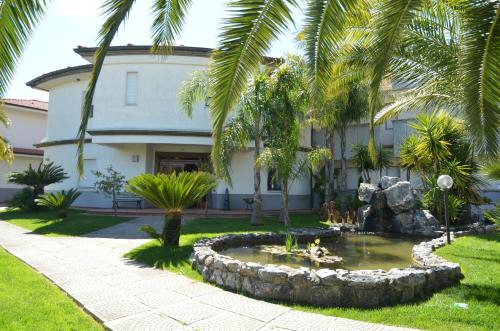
138,126
28,123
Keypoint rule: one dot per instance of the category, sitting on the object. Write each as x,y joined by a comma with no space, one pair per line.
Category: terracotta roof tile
33,104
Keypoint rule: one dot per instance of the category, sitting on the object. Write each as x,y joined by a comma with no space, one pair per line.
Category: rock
400,197
424,223
403,223
388,181
365,192
272,273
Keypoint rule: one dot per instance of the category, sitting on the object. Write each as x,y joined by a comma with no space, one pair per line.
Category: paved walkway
127,296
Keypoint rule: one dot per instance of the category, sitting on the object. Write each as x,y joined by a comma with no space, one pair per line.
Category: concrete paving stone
223,299
143,286
227,321
146,322
259,310
161,298
116,309
189,311
99,296
194,289
297,320
120,278
85,284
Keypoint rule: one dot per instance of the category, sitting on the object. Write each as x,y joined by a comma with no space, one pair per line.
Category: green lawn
47,223
479,258
28,301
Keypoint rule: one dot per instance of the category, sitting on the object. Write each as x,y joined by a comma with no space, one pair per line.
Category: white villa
28,124
138,126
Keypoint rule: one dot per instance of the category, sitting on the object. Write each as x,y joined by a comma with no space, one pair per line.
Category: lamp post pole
446,216
445,183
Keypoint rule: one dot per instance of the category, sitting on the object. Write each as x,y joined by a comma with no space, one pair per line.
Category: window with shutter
131,88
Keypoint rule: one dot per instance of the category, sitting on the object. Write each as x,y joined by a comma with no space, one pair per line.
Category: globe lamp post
445,183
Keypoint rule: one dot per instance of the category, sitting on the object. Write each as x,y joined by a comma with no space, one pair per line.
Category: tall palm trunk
257,216
284,215
172,228
343,161
408,175
329,166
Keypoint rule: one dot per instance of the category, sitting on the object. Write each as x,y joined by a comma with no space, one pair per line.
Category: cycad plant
59,201
45,174
173,193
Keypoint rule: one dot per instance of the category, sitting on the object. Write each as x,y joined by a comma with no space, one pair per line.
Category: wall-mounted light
135,158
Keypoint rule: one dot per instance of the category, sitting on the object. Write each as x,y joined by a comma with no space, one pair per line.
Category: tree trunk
343,161
257,217
329,166
408,175
172,229
284,215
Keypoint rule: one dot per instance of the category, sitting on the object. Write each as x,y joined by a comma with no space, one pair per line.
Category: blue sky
70,23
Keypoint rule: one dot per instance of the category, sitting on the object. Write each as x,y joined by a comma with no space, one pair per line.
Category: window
389,125
273,184
88,180
131,89
91,107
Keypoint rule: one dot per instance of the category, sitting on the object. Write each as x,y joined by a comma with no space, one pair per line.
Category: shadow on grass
162,257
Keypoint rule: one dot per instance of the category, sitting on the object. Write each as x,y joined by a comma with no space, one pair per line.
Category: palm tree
173,193
59,201
254,25
19,19
384,160
408,159
6,153
45,174
247,125
448,53
362,160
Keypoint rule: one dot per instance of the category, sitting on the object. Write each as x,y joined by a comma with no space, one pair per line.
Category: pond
358,252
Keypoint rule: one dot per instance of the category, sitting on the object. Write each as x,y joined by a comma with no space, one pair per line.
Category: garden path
127,296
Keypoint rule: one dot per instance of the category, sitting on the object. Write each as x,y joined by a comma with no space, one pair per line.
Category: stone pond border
326,287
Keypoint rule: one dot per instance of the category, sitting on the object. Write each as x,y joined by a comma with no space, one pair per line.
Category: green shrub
59,201
23,200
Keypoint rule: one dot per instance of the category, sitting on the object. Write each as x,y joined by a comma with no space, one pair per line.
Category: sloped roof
27,103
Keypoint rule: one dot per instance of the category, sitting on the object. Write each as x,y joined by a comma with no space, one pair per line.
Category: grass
479,258
47,222
177,259
28,301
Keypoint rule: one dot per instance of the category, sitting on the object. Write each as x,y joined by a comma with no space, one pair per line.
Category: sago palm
45,174
59,201
173,193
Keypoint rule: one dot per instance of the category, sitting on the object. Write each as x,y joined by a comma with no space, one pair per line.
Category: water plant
291,243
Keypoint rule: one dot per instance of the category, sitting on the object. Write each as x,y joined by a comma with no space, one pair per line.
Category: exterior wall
21,162
27,128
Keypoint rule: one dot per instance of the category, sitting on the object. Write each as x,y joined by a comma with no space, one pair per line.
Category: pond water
359,252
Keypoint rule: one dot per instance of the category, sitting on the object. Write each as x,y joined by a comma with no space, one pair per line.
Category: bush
59,201
45,174
23,200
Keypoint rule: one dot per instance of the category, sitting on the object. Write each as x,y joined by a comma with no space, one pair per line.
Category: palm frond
58,200
168,20
6,151
481,67
389,20
4,119
116,12
245,38
324,31
173,192
491,169
18,19
194,90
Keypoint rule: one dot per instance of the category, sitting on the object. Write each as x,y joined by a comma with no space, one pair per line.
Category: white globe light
445,182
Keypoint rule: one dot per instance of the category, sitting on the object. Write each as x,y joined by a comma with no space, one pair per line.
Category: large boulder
403,223
388,181
400,197
365,192
424,223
